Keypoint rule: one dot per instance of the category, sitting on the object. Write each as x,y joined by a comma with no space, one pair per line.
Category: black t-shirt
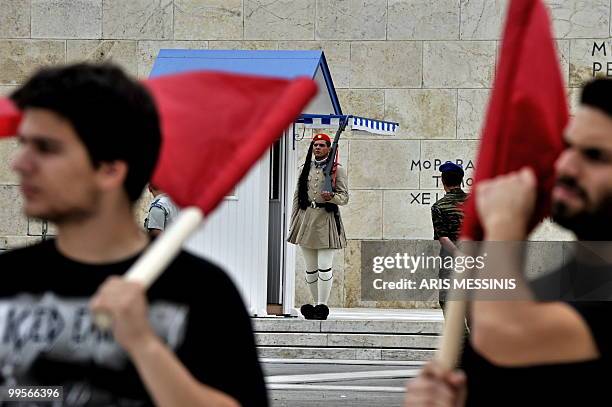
47,337
566,384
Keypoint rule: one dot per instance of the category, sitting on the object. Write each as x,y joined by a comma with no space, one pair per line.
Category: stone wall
427,64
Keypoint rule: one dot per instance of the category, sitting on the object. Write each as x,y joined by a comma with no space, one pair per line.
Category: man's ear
111,175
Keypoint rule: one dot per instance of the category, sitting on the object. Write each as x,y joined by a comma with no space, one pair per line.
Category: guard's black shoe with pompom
308,311
321,312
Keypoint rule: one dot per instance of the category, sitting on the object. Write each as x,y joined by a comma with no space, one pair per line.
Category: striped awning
354,122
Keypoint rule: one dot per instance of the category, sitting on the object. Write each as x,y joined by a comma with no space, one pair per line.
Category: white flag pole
159,255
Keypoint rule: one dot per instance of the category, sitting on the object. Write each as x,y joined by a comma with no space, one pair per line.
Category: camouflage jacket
447,214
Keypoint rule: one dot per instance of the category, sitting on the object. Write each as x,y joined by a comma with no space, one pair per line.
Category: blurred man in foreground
542,352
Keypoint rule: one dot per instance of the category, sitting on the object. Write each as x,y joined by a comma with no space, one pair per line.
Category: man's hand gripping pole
159,255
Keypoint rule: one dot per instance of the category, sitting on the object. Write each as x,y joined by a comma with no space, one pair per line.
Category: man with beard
316,225
539,351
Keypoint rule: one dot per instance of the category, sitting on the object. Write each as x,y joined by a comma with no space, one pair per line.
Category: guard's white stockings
319,274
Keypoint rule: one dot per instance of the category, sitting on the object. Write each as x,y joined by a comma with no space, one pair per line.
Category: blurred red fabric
527,112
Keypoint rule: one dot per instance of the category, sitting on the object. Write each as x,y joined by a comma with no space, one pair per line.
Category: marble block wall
427,64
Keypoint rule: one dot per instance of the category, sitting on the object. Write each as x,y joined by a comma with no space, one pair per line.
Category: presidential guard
316,225
447,213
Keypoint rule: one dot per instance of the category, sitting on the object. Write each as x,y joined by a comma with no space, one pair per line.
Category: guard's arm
341,194
156,221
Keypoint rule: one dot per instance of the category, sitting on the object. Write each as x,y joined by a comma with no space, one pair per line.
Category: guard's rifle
329,166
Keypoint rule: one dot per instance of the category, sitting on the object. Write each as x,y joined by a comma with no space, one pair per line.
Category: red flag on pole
9,118
215,126
527,112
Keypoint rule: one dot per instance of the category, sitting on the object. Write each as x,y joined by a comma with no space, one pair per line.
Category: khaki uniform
315,228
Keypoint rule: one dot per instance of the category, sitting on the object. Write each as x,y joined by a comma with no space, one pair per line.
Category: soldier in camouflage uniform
447,213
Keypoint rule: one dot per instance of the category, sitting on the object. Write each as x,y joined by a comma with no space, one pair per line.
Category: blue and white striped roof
354,122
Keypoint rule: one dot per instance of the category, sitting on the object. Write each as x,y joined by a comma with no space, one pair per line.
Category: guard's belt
314,204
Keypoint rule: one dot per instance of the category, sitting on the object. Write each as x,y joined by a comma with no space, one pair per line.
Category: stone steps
432,327
347,340
300,352
408,337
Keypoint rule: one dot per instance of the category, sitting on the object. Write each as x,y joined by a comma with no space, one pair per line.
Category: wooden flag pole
452,337
454,322
159,255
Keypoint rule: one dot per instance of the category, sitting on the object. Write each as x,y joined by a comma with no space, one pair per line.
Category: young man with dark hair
544,351
90,139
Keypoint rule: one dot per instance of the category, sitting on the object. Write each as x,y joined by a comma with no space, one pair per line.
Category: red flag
9,118
215,126
527,112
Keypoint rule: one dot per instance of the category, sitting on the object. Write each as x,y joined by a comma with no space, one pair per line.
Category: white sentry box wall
235,237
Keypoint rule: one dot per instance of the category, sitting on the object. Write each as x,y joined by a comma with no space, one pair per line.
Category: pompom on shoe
321,312
308,311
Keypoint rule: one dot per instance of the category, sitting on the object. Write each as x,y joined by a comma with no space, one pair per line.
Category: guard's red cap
321,136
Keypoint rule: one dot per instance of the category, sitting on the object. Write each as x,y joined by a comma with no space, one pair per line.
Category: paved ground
333,383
